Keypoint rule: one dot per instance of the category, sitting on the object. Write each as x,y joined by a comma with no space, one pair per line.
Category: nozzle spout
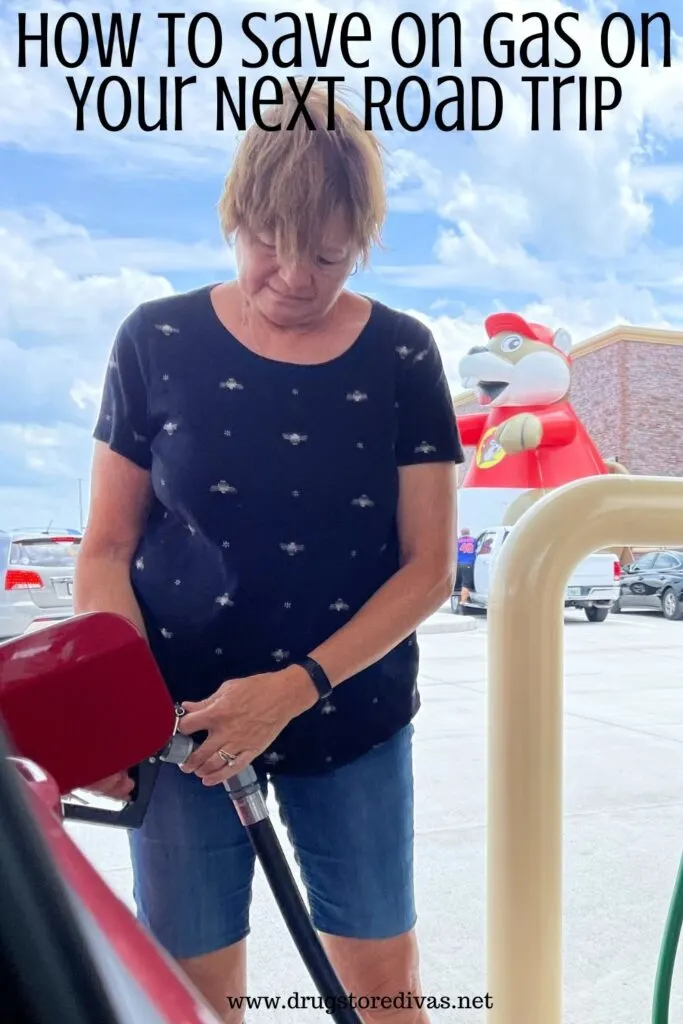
243,787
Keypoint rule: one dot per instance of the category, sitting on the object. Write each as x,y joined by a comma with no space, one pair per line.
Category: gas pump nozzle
243,787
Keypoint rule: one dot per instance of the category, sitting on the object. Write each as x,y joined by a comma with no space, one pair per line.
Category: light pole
80,503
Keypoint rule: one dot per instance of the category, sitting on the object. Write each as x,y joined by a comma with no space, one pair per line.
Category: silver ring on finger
228,758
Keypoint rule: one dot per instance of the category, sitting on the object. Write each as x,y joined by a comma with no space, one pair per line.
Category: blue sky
578,229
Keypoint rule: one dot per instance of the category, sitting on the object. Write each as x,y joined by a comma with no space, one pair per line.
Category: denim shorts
351,831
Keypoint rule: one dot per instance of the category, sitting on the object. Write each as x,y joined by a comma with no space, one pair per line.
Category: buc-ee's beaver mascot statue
528,438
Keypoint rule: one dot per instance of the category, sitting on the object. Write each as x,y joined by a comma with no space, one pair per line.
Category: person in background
273,505
466,553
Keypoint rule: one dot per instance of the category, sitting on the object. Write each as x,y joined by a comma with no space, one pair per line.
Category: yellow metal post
525,722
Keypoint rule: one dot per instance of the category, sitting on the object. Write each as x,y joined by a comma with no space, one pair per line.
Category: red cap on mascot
500,322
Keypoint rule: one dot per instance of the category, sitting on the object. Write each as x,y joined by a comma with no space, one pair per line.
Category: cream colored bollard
525,722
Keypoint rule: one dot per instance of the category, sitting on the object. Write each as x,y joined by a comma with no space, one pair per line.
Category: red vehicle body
126,951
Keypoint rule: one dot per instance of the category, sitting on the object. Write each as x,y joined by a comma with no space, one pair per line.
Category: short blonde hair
291,181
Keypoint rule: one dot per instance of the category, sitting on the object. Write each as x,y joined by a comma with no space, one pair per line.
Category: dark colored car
653,582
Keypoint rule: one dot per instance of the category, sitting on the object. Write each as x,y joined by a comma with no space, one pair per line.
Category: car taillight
22,579
617,571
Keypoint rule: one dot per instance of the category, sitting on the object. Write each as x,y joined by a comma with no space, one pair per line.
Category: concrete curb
448,623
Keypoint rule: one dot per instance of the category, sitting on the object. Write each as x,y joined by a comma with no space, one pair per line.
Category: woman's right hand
116,787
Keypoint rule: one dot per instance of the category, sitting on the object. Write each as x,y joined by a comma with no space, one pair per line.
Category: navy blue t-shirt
275,497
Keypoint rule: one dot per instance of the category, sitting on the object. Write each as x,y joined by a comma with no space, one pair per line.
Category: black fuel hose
283,886
246,794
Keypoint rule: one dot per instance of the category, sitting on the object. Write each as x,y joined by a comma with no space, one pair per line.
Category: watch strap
318,676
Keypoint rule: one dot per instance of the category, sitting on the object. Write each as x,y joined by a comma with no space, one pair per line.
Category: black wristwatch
318,676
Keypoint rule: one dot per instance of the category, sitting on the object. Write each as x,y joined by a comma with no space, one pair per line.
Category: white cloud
56,328
41,467
558,194
413,183
64,285
72,246
605,308
664,180
559,225
454,336
41,295
36,383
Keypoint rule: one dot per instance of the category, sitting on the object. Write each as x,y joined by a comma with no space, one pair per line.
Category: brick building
627,387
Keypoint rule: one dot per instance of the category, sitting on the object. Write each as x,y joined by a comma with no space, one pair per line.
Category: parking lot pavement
444,621
623,825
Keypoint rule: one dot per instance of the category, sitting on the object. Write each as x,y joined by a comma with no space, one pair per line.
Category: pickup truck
593,586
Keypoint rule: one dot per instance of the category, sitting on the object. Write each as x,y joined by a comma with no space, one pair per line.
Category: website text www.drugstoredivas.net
402,1001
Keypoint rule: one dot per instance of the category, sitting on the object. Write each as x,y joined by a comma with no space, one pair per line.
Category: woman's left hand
242,719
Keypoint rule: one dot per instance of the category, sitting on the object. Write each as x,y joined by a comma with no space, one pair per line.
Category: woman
273,505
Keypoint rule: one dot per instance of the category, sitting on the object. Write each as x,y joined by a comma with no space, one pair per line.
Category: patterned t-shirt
275,499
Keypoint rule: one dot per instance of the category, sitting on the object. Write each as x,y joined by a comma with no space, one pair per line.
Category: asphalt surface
623,825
